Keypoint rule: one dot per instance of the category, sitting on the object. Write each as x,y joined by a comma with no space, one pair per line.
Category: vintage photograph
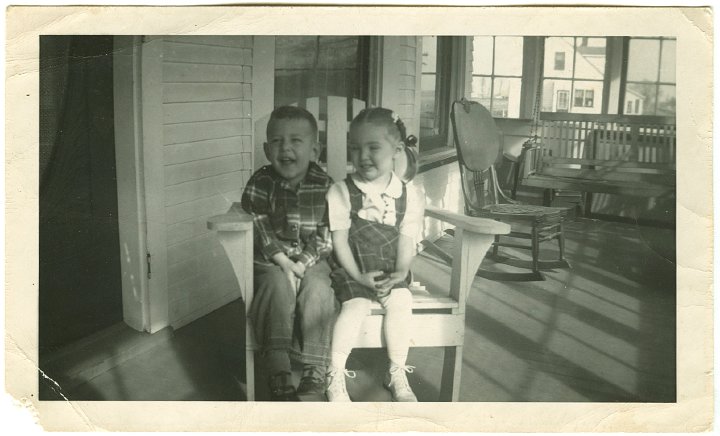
542,268
213,212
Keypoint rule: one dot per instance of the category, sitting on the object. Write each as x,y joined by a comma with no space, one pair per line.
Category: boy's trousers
299,324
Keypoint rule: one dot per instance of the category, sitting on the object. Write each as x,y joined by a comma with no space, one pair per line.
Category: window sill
435,158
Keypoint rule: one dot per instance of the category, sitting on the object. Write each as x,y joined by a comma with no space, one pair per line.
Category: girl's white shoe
397,383
336,390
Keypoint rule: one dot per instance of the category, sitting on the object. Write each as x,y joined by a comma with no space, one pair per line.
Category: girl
374,219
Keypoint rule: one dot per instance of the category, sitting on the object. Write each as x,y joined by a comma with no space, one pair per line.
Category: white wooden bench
438,314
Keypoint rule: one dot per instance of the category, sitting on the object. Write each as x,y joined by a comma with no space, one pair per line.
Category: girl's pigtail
411,153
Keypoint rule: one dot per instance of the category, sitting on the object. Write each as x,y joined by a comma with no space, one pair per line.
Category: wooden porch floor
603,331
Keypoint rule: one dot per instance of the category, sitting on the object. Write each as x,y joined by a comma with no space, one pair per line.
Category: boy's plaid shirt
285,220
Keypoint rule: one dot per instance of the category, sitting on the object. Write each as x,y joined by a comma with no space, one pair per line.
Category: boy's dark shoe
312,381
281,388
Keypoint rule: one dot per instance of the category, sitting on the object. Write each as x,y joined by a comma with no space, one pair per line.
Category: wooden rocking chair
478,147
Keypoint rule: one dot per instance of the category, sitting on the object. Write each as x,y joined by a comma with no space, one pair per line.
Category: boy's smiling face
291,145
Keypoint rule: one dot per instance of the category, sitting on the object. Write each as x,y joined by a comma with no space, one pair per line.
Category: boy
292,242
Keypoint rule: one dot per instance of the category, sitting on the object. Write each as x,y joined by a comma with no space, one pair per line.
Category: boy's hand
294,281
298,268
289,268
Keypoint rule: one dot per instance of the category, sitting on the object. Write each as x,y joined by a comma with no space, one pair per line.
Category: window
440,85
579,94
429,120
584,98
311,66
560,60
562,101
650,75
497,67
582,77
628,110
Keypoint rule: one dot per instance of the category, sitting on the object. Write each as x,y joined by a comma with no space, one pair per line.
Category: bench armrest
233,220
471,224
529,159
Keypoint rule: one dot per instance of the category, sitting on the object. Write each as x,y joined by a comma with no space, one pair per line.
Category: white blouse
377,206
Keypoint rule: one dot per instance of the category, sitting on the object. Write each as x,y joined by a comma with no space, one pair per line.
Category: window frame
572,79
566,94
450,85
657,83
492,76
363,61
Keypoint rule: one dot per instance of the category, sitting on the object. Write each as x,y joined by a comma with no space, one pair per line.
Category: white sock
346,330
396,326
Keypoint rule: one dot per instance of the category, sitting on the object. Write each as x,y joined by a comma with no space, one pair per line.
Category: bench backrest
614,148
333,114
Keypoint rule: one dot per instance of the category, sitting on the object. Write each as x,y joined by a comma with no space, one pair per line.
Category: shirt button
294,244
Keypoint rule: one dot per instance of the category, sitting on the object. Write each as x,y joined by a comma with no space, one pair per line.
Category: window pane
563,101
589,98
480,93
592,105
506,98
482,55
508,55
557,47
294,52
667,67
579,96
337,52
590,58
427,106
556,95
642,96
429,54
666,101
643,60
559,61
311,66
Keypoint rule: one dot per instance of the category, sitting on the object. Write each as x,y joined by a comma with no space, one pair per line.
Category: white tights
396,327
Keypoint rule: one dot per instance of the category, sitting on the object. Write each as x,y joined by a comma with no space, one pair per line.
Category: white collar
393,189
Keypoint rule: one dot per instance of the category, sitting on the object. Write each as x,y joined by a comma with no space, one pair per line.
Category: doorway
80,288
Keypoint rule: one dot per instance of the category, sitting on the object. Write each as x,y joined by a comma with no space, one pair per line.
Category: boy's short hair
292,113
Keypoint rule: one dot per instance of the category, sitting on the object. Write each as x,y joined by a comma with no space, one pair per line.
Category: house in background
182,127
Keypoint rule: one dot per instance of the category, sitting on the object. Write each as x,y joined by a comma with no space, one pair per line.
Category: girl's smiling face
373,150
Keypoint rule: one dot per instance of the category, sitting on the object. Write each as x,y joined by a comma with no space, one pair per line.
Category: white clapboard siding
189,112
188,92
196,208
218,55
204,188
213,166
200,131
208,152
186,250
193,73
188,152
203,267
